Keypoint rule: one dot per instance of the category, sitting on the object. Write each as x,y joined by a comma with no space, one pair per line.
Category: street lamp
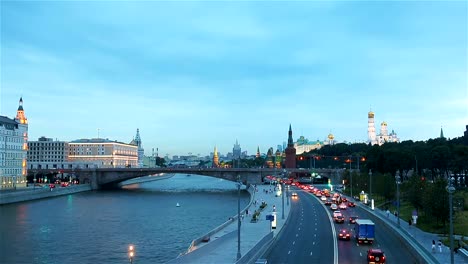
370,182
351,177
282,195
131,253
451,190
398,182
287,190
238,217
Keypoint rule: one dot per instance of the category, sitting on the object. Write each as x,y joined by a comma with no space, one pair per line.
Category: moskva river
98,226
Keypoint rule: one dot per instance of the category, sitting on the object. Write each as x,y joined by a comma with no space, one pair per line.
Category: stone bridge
111,177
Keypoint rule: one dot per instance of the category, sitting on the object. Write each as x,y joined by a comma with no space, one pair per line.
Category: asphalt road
309,237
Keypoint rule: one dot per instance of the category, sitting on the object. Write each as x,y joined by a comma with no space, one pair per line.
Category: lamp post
370,182
351,177
398,182
451,190
238,217
287,190
282,195
131,253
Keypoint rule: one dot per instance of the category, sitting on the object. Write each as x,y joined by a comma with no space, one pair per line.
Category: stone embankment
30,193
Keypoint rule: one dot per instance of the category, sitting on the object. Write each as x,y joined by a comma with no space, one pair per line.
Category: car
336,213
344,200
342,206
294,195
328,202
333,207
375,256
323,198
351,204
344,234
339,219
51,185
352,219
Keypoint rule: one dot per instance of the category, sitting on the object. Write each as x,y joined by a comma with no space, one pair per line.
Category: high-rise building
236,151
13,149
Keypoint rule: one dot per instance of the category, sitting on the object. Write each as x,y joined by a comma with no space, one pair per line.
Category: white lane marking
313,243
315,223
311,253
294,242
360,254
315,229
289,252
297,235
315,235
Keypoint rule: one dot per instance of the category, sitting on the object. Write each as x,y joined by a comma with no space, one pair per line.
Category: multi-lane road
311,236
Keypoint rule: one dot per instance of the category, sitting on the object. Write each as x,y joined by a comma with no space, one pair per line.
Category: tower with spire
141,152
258,152
441,132
290,151
236,151
371,128
215,158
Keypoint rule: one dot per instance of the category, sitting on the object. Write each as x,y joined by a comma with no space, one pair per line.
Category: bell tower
290,151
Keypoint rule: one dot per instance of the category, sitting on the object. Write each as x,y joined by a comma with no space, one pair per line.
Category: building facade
45,153
103,153
13,149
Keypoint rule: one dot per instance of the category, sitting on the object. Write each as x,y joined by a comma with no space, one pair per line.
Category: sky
192,75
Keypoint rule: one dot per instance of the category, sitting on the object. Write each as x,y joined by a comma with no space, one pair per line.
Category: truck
364,231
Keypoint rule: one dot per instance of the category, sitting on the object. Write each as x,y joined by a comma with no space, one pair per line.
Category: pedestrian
433,245
440,246
388,213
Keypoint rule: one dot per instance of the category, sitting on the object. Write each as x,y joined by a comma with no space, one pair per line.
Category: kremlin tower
290,151
215,158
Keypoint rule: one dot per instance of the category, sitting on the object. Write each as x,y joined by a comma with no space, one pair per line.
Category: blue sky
195,74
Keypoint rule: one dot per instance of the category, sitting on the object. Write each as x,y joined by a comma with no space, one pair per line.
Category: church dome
331,136
370,114
384,123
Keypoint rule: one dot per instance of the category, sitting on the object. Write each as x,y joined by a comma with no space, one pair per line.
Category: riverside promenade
34,193
256,237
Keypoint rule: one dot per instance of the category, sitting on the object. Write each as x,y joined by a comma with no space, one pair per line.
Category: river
98,226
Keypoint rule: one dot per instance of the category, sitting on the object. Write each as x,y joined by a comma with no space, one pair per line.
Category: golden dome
370,114
330,136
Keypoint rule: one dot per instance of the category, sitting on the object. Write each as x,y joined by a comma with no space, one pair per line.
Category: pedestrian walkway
424,239
222,246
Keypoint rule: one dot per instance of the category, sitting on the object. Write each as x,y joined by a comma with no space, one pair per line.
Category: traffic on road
327,227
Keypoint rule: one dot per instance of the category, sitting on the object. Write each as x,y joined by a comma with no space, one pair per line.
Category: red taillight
371,257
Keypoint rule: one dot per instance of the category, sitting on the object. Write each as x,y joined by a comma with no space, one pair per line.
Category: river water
98,226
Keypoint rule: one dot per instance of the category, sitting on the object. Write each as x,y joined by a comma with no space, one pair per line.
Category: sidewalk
423,239
255,237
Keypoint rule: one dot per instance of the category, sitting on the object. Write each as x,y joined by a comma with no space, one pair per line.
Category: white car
323,198
333,207
342,206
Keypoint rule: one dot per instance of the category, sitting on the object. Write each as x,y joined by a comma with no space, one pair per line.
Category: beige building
103,153
13,149
45,153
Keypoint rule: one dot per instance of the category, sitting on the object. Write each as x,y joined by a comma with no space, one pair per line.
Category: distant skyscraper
290,151
236,151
